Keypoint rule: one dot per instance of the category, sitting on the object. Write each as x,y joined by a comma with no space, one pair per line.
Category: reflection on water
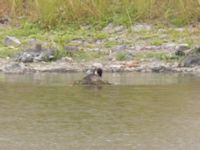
141,111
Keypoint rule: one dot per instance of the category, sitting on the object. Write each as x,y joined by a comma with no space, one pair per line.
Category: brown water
139,112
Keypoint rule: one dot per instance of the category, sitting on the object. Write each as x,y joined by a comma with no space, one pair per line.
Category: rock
25,57
141,27
11,41
161,30
67,59
179,29
179,53
132,64
158,69
164,36
36,54
116,67
71,48
196,49
4,20
190,61
182,47
77,42
33,42
153,47
15,68
118,29
119,48
170,46
130,56
97,65
110,28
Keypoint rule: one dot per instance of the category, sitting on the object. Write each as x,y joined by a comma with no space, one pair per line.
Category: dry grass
56,12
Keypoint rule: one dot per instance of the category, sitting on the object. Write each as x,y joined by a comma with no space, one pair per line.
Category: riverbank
141,48
117,66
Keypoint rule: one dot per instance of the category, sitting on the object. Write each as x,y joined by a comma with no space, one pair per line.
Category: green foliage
86,56
162,56
157,42
100,35
121,56
8,52
110,44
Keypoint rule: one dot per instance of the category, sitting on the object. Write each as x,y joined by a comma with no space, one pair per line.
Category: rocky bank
141,48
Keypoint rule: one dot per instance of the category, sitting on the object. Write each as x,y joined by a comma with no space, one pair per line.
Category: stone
65,59
110,28
77,42
179,29
119,48
118,29
182,47
196,49
4,20
190,61
141,27
116,67
71,48
36,54
97,65
179,53
15,68
158,69
11,41
170,46
33,43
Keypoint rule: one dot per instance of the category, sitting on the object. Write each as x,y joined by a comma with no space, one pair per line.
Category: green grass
100,12
86,56
121,56
161,56
110,44
58,37
8,52
157,42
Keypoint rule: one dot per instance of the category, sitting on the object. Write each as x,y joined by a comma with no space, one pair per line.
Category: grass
60,36
86,56
110,44
121,56
161,56
56,38
100,12
8,52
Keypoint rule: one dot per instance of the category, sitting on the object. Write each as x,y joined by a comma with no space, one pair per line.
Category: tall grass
56,12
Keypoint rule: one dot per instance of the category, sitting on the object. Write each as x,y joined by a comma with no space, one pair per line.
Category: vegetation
51,13
58,22
122,56
161,56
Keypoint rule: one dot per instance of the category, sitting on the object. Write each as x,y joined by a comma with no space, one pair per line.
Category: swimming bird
94,78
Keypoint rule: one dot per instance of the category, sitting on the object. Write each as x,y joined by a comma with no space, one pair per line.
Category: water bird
93,78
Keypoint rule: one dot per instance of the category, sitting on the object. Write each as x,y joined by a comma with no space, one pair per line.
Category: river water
138,112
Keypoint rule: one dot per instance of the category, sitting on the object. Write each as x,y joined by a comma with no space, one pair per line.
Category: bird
94,78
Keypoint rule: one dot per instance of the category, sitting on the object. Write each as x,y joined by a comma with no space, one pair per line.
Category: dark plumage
95,78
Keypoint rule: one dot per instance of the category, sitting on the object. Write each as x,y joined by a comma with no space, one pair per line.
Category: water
139,112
